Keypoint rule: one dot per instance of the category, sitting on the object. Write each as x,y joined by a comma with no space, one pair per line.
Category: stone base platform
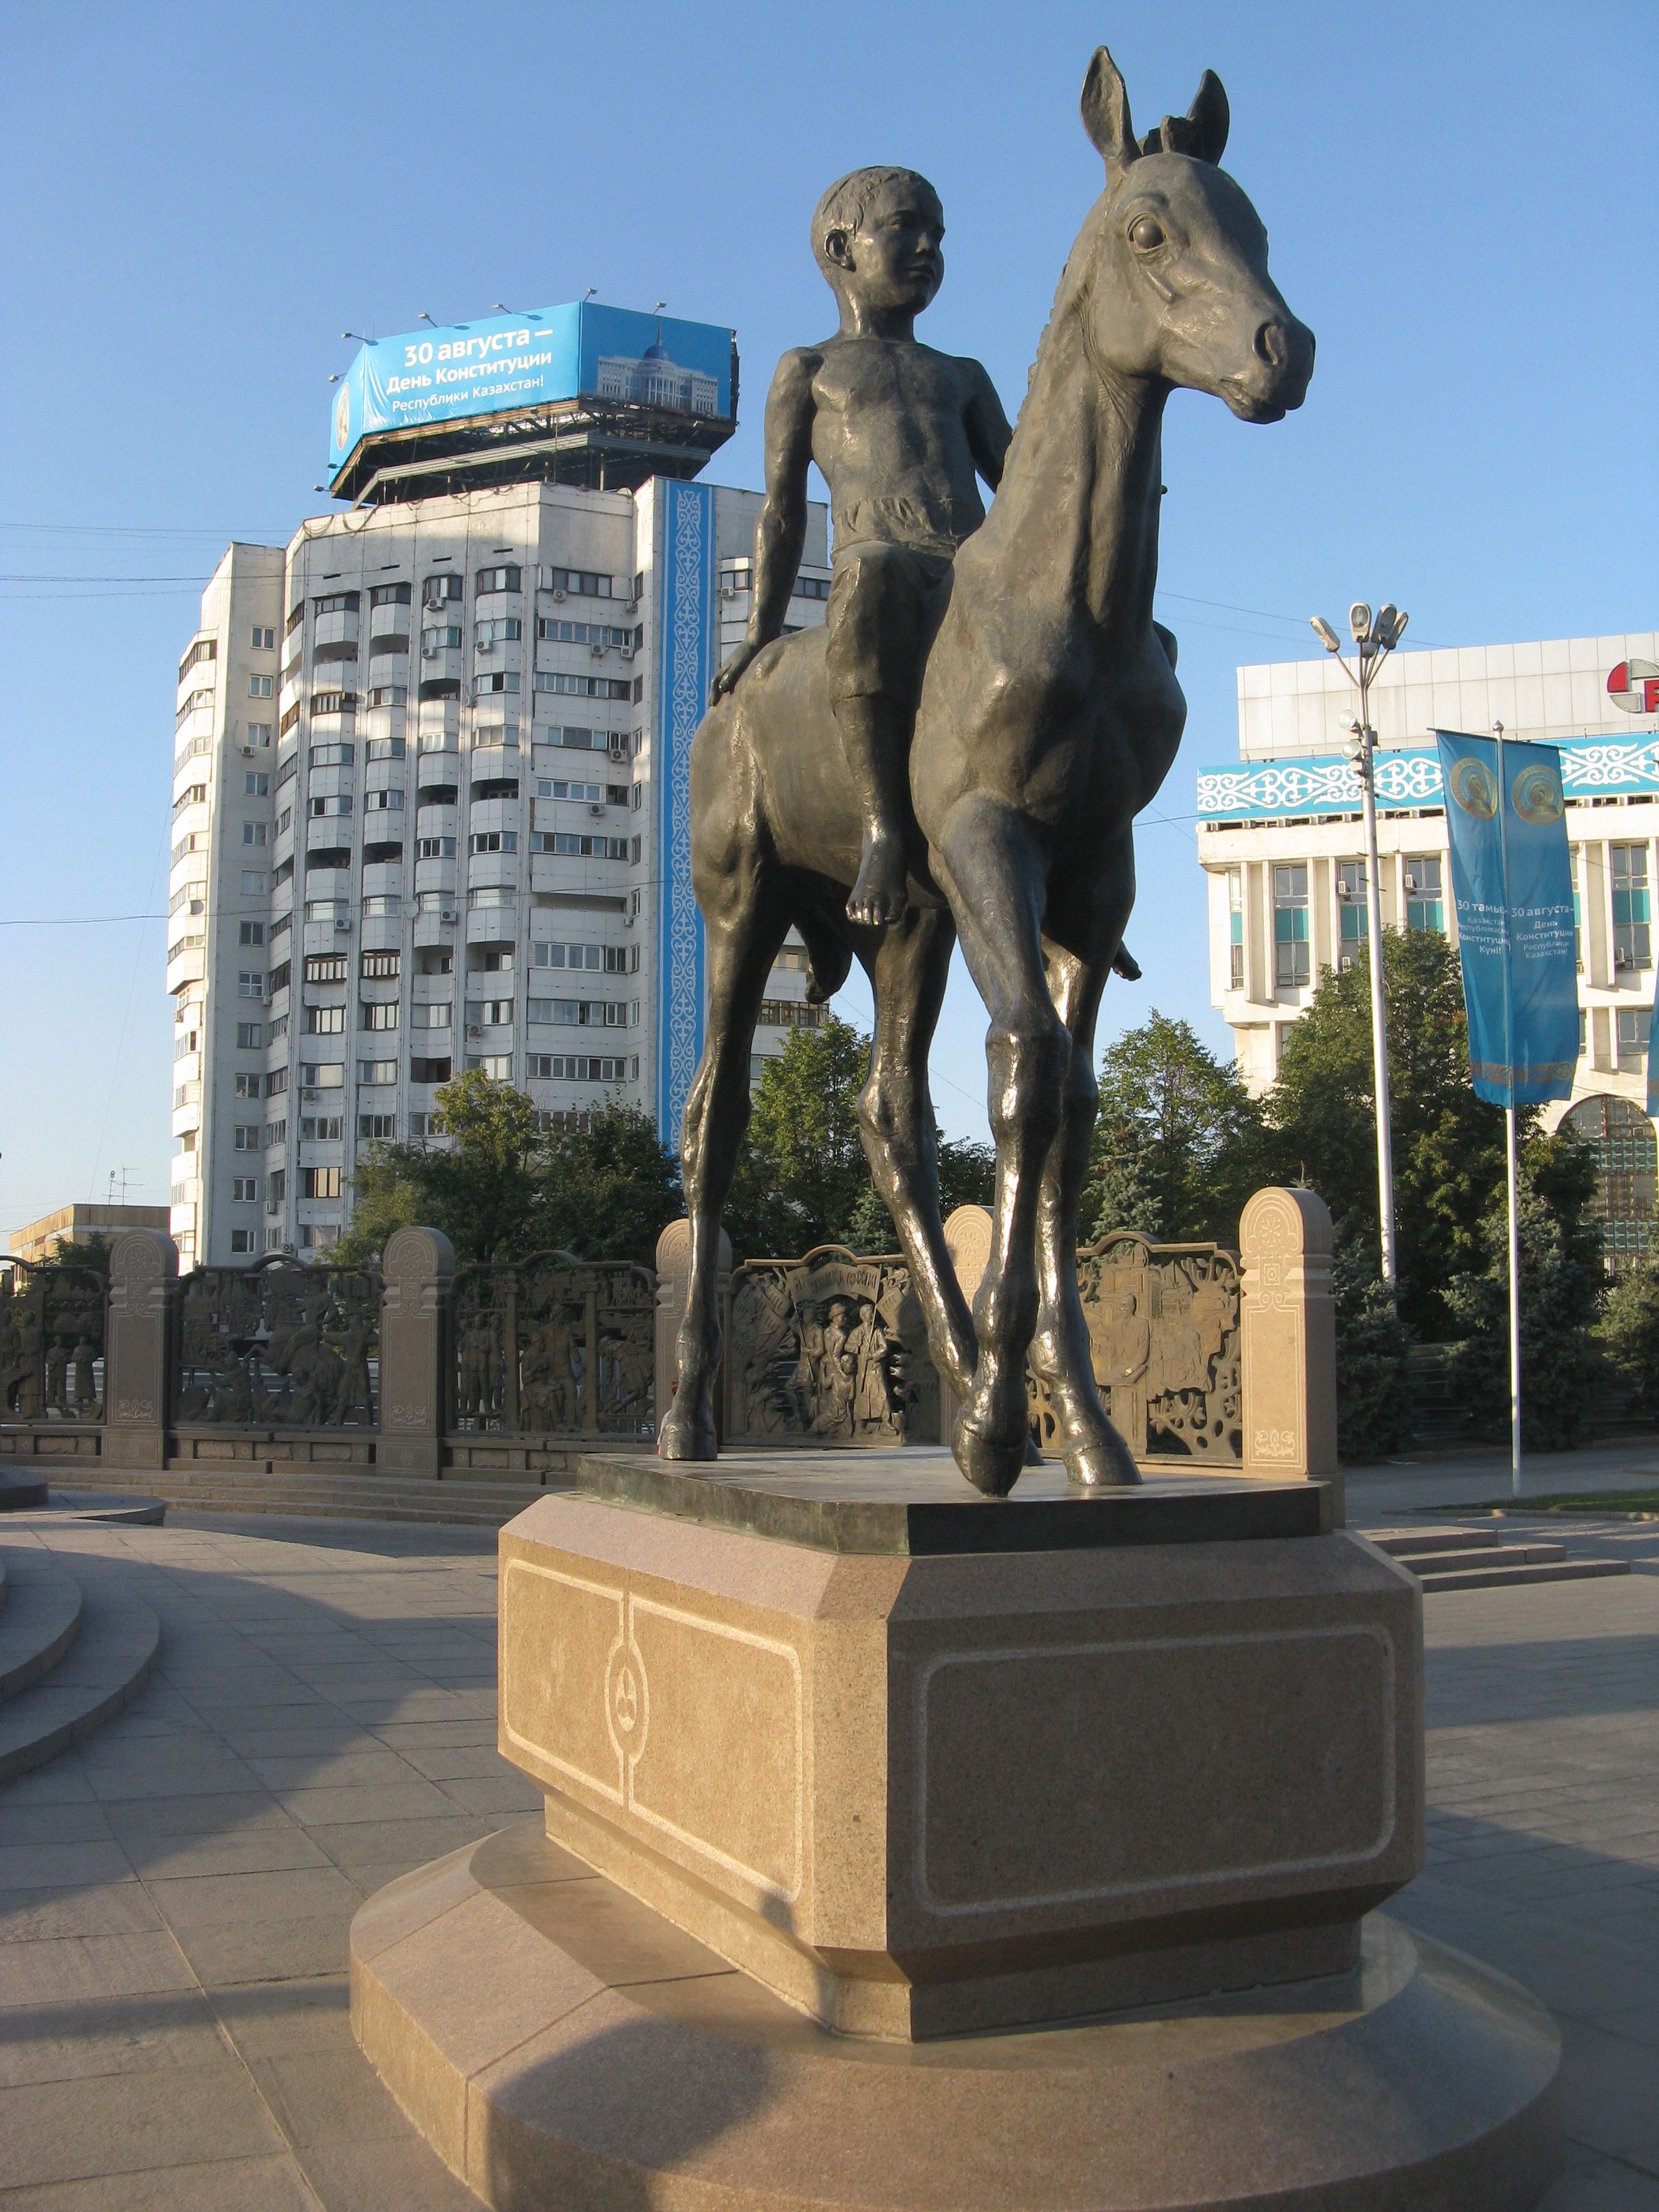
559,2043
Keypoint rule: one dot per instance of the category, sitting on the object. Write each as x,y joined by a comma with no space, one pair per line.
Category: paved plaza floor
174,1895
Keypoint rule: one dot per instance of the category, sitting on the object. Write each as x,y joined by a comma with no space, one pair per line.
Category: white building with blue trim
431,812
1280,842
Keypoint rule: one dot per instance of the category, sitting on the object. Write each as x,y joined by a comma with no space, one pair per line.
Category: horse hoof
991,1466
686,1437
1107,1464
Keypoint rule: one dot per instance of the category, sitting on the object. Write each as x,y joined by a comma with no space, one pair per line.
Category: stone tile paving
175,1896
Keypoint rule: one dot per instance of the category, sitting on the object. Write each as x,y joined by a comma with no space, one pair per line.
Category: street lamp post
1375,638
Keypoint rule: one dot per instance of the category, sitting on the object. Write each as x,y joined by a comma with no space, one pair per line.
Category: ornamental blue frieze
1327,784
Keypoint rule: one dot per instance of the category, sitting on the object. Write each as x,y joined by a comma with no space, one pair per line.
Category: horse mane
1070,293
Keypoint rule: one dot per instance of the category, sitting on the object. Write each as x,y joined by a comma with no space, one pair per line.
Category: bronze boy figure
901,433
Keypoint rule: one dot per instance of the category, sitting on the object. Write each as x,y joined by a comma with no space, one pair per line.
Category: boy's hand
726,678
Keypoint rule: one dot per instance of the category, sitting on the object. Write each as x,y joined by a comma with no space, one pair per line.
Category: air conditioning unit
628,653
249,751
485,644
344,926
559,596
595,810
597,651
1344,894
1623,960
628,921
1411,883
449,913
473,1030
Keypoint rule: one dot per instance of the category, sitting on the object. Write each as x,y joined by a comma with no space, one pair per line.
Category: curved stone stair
470,1500
68,1660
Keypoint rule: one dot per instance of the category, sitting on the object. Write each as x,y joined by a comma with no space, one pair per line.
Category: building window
378,748
320,1129
250,1036
379,1014
255,833
252,932
426,1125
256,785
434,1017
1632,1038
244,1137
507,578
390,595
387,695
440,637
1292,956
1577,916
1621,1140
383,802
490,1014
328,807
382,967
439,591
377,1071
279,977
603,634
587,848
256,733
503,629
325,967
277,1182
324,1021
549,787
1426,896
1235,935
338,603
579,1067
428,1070
260,687
493,840
1632,913
498,1065
205,649
276,1083
434,848
247,1087
331,755
582,582
245,1190
243,1240
378,1128
261,640
250,983
501,679
320,1182
1353,918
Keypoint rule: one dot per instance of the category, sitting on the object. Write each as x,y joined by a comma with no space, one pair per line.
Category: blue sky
199,199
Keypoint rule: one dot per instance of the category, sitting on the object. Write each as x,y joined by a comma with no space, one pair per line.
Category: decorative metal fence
553,1346
52,1343
828,1349
1163,1328
277,1345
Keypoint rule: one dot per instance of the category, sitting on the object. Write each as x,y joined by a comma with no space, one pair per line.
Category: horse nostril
1270,344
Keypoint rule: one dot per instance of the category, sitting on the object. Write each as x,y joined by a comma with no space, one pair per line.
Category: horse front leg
908,975
742,938
1061,1354
994,870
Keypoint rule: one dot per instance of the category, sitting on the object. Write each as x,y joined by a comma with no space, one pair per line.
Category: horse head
1171,266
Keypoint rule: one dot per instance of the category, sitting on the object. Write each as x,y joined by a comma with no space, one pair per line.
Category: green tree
1629,1333
485,1193
1448,1144
608,1191
1177,1141
1562,1281
1373,1366
802,1172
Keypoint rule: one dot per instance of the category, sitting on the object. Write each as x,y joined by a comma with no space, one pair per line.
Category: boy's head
877,236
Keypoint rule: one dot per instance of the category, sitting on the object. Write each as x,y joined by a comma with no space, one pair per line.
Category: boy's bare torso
892,432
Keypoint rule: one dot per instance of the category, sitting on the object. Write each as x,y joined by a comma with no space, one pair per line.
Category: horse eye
1146,235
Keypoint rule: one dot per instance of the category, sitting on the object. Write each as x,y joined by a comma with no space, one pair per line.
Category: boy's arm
780,534
988,433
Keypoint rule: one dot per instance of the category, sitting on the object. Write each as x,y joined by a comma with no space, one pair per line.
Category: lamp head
1360,622
1327,636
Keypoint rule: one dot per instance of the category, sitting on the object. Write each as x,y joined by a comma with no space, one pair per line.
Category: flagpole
1510,1163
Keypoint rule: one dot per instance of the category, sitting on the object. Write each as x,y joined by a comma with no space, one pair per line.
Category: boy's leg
875,735
873,653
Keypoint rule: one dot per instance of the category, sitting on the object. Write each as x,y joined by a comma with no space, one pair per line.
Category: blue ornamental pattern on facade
1327,784
687,631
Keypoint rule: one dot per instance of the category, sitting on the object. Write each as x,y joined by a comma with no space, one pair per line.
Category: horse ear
1209,116
1105,106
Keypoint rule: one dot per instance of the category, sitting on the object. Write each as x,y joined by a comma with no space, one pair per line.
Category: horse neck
1074,523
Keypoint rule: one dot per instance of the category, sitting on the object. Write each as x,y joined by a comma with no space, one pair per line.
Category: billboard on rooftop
501,362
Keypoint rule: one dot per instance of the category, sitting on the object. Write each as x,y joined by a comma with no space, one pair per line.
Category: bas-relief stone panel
1007,1815
828,1349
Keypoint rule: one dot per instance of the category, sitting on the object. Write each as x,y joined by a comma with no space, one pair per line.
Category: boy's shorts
879,622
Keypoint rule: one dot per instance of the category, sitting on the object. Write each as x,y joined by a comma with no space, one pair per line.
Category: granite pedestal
1070,1809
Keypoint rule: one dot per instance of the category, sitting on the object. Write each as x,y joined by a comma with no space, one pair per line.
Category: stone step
1466,1558
39,1623
1493,1575
104,1668
344,1497
1405,1543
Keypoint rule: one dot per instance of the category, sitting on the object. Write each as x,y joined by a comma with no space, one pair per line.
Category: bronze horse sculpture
1049,715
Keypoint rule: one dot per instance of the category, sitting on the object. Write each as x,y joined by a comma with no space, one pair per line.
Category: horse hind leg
742,942
908,974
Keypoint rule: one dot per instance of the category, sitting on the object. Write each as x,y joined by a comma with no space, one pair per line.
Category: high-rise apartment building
431,798
1280,841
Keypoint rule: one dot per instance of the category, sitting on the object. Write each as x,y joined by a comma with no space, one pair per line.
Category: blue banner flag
1512,880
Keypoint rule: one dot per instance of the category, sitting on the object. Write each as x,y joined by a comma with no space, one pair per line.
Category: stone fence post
673,1288
1288,1336
143,1270
417,1270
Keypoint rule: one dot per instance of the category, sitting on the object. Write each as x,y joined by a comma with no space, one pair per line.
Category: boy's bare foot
879,895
